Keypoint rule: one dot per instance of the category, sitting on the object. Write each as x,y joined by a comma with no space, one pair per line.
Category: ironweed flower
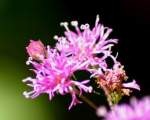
84,44
136,110
53,76
112,82
81,49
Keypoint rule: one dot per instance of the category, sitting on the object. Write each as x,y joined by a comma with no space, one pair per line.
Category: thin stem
84,98
88,101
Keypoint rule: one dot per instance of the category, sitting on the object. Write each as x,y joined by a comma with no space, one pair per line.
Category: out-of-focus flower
36,50
53,76
112,82
84,44
136,110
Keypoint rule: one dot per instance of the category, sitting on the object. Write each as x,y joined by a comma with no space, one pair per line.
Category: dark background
23,20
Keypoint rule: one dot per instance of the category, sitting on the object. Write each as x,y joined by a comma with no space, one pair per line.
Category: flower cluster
136,110
53,73
82,49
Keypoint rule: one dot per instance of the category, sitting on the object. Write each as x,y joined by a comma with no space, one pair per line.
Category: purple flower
132,84
53,76
84,44
136,110
83,49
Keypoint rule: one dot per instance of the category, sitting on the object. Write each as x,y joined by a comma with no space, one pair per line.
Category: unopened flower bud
36,50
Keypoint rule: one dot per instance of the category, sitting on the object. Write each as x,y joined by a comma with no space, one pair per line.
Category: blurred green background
20,21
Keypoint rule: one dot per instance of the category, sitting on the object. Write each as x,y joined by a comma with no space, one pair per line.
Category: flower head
136,110
53,76
112,82
84,44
